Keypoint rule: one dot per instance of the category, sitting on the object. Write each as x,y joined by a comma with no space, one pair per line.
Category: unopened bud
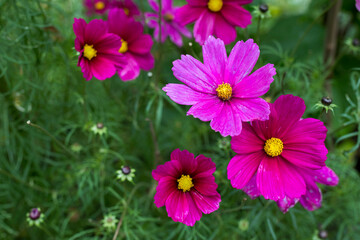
326,101
263,8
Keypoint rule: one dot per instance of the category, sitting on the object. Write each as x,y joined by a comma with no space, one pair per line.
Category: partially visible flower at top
273,155
357,4
125,174
35,217
96,6
221,90
98,49
326,104
170,27
99,129
128,6
109,222
215,17
186,187
136,45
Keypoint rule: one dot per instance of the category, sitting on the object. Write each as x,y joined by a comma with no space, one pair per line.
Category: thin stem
246,33
235,209
53,138
331,40
258,30
125,208
157,154
45,230
309,28
37,188
282,81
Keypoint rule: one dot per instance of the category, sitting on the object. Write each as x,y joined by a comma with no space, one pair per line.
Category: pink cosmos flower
96,6
358,5
215,17
311,200
98,49
186,187
276,154
129,8
221,90
135,46
169,24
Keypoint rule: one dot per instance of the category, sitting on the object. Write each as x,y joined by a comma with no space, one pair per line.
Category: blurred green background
61,165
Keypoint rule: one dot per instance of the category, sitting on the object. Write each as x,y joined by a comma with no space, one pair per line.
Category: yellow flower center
215,5
224,91
126,11
100,5
124,46
169,17
89,52
273,147
185,183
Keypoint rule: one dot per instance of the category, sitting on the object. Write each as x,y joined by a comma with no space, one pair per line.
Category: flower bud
327,101
263,8
355,42
323,234
34,213
126,170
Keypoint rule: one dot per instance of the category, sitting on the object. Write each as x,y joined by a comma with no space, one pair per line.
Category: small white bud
28,122
149,74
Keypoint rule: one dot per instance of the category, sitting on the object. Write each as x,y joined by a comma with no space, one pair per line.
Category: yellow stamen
169,17
100,5
124,46
89,52
126,11
185,183
215,5
224,91
273,147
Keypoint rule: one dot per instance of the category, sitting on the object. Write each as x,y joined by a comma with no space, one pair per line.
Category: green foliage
59,164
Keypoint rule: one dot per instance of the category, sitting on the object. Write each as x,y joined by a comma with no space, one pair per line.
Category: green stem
125,208
309,28
37,188
258,31
53,138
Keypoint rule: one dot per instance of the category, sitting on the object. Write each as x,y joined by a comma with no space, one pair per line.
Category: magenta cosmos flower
221,90
278,151
135,46
98,49
186,187
96,6
215,17
170,26
129,8
358,5
311,200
